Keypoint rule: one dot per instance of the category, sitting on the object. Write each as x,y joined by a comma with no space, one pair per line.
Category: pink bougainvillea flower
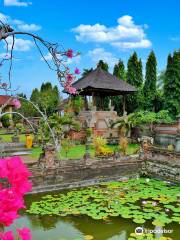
70,90
16,103
24,233
69,53
3,169
16,175
68,84
6,235
69,78
77,71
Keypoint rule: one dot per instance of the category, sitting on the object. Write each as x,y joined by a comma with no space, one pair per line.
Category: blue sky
101,29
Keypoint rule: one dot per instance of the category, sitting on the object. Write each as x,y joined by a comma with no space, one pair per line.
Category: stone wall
100,122
77,173
162,169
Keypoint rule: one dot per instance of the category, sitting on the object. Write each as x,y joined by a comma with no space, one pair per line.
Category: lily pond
109,211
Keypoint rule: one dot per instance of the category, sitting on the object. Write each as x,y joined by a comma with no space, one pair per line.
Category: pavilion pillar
93,99
101,101
124,105
85,103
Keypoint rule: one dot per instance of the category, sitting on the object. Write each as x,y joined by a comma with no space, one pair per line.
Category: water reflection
75,228
121,236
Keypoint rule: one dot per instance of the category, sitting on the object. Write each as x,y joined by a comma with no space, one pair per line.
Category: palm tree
124,124
86,71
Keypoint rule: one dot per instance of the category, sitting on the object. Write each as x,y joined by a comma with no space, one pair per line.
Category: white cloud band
16,3
125,35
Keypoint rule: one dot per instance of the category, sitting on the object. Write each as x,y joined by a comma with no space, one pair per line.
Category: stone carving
146,145
48,158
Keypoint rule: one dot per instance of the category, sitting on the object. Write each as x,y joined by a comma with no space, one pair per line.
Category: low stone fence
166,134
73,174
157,167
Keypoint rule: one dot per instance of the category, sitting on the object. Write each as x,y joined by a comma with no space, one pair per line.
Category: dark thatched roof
102,82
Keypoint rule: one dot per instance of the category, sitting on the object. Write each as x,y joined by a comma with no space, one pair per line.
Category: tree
135,78
86,71
119,72
47,98
103,65
149,89
172,84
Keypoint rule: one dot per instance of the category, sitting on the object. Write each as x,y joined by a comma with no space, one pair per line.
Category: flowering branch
58,59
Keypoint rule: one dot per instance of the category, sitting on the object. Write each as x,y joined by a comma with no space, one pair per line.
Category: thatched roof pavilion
99,84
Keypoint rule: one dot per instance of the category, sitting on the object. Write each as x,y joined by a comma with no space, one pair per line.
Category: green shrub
5,119
89,132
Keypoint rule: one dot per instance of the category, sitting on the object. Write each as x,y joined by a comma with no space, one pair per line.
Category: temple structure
94,87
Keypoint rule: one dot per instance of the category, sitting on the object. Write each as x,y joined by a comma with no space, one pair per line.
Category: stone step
12,150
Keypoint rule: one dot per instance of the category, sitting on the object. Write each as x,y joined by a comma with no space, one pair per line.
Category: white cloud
175,39
126,20
144,43
20,44
125,32
47,57
29,27
4,18
21,25
100,54
16,3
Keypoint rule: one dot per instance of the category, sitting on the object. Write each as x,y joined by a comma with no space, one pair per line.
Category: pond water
82,227
76,228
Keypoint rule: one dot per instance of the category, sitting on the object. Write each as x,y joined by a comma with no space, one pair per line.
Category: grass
8,137
77,151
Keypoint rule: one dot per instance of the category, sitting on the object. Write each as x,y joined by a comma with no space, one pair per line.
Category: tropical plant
60,125
100,146
123,144
86,71
66,144
141,118
98,142
19,128
124,123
